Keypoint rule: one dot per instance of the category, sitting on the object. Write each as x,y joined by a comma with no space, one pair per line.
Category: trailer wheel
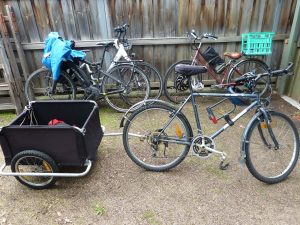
34,162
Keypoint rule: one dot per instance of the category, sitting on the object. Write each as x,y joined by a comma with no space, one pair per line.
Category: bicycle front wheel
154,77
251,67
151,147
39,86
125,86
264,161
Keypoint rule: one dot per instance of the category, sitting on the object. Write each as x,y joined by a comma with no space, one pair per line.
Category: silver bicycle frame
88,165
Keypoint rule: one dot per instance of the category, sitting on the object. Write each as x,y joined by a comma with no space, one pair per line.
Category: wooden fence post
11,71
16,35
289,50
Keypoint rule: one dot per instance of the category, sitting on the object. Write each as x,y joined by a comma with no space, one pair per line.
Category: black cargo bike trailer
36,151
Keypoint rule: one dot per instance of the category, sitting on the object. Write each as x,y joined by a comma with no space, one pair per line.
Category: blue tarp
57,50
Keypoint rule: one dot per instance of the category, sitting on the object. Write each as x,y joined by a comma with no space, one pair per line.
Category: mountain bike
122,46
122,86
158,135
222,72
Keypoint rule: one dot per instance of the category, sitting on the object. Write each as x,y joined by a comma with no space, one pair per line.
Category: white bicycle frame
121,54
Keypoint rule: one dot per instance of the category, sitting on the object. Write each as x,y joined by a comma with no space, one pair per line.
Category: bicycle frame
80,76
191,98
121,53
200,59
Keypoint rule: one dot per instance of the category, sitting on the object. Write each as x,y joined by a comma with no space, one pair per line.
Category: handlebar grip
211,36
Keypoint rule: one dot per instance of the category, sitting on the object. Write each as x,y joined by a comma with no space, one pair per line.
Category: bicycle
122,86
224,73
158,136
122,45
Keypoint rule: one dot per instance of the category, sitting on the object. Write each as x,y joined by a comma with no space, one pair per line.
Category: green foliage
149,216
99,209
6,117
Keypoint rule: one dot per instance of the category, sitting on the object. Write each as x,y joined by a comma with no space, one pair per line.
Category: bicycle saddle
189,70
233,55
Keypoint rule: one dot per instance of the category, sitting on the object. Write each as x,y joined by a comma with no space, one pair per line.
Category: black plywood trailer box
69,144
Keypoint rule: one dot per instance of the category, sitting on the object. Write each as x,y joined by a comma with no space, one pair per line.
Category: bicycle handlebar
273,73
204,35
119,30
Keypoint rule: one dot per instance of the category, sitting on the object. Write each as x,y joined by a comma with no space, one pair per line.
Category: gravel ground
116,191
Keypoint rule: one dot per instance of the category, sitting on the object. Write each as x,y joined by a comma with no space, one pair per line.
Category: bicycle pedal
223,166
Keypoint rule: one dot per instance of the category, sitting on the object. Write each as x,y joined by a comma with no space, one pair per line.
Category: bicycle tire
145,149
39,85
136,89
153,74
40,162
168,84
258,160
243,67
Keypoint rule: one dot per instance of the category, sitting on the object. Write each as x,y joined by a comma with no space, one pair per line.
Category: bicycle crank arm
114,92
223,154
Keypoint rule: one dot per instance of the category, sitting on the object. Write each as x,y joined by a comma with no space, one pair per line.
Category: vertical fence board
20,24
95,19
29,21
69,20
41,17
81,17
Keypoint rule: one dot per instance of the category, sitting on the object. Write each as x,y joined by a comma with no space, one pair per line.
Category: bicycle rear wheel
126,86
170,91
148,146
39,86
264,161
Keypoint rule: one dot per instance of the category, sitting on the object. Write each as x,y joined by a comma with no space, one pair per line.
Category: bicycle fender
244,135
144,103
253,59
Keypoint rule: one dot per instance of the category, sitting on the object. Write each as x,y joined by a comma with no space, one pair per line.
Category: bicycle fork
268,121
263,116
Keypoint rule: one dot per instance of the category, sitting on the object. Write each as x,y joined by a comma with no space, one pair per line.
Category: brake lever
290,65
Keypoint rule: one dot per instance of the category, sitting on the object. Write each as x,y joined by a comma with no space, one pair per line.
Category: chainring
201,152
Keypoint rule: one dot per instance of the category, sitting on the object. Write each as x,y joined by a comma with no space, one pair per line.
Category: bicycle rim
252,67
154,77
38,87
132,88
172,94
263,160
150,148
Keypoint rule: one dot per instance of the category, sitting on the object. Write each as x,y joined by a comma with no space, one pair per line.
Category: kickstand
223,166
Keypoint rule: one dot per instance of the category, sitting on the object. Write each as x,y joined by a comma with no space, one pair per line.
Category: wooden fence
157,27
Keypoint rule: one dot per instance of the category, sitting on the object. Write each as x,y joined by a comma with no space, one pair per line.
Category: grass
109,118
99,209
149,216
6,118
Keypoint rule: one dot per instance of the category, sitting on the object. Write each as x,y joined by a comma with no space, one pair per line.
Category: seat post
199,129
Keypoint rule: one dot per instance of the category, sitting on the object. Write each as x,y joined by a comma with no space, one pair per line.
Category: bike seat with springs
189,70
233,55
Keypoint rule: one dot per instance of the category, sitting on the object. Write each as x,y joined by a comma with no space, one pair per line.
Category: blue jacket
56,50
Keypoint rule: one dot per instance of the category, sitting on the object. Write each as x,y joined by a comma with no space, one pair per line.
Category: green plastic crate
257,43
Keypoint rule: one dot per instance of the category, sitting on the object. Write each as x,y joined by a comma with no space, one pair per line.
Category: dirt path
117,191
